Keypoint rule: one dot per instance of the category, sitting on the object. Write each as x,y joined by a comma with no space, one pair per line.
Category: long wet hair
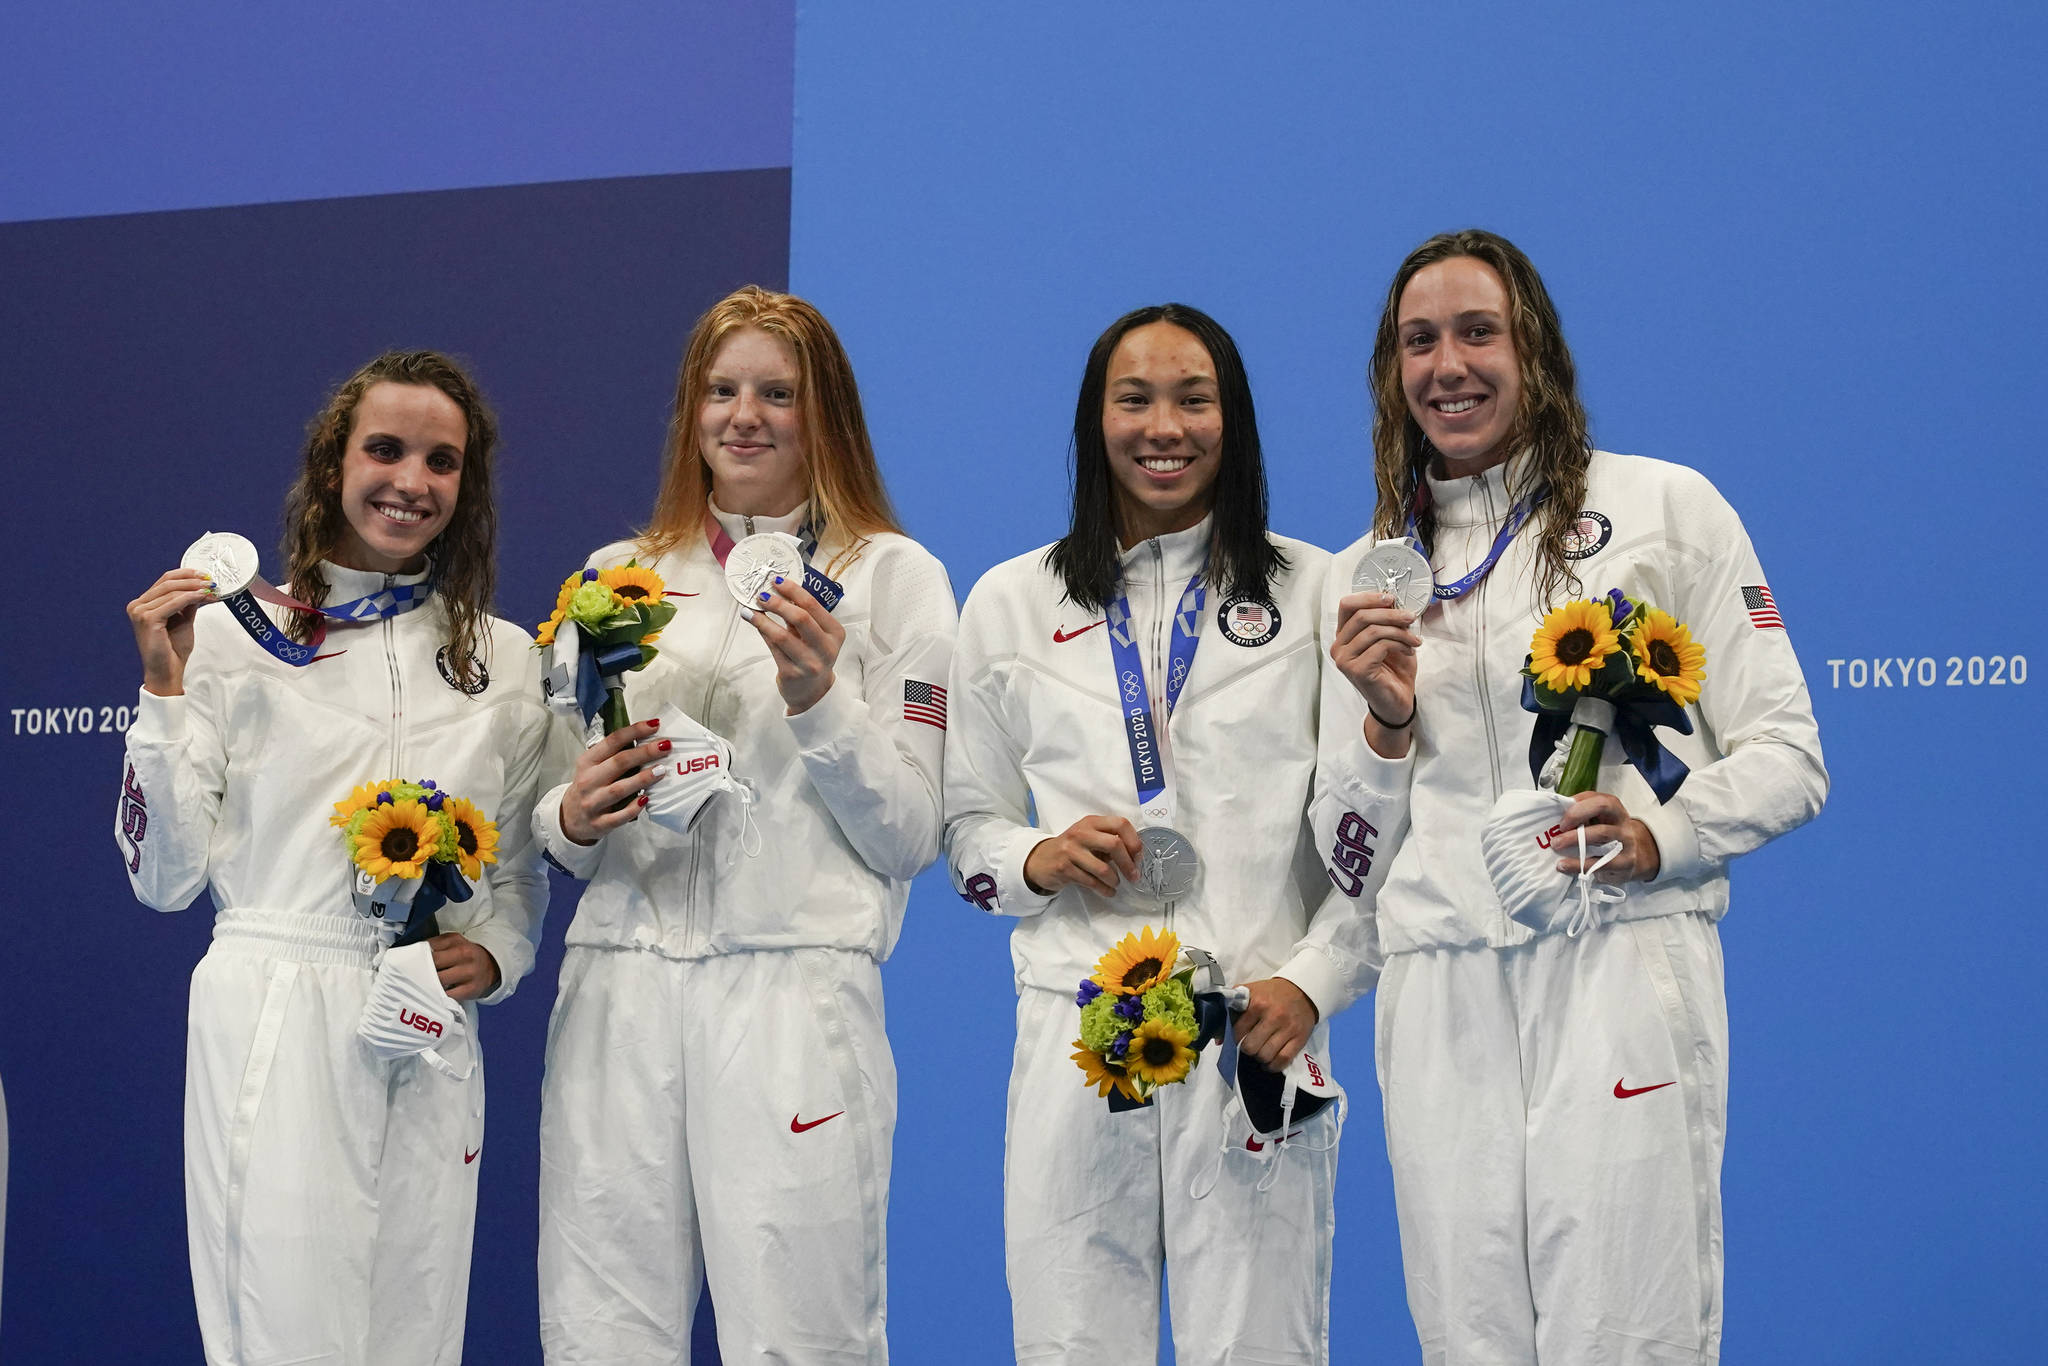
1088,559
844,482
464,555
1549,424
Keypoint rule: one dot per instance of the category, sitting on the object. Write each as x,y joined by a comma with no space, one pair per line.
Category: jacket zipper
1158,634
397,769
703,713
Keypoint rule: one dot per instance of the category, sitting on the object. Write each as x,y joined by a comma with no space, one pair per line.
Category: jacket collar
1179,555
346,585
1476,499
736,525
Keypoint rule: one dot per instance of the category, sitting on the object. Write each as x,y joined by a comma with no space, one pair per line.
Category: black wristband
1392,725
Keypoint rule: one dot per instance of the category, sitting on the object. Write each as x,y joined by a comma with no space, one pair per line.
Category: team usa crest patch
1587,535
1248,621
475,686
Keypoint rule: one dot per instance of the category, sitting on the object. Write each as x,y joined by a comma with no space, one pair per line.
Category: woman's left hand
1276,1022
466,967
1605,819
804,639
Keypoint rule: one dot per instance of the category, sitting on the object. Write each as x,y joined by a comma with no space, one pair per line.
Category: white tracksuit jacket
1603,1205
1037,742
330,1195
734,1051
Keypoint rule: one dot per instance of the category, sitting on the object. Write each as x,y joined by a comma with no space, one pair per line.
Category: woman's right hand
1092,852
611,780
162,618
1375,648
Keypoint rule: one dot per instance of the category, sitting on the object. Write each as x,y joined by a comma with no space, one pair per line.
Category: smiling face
1459,369
1162,429
400,473
749,426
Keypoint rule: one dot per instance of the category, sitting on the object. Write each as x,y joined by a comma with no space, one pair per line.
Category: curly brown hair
464,554
845,484
1550,422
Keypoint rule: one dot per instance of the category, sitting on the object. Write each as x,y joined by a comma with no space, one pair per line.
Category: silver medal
227,559
755,562
1168,865
1397,569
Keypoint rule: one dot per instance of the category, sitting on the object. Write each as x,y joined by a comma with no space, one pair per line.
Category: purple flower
434,800
590,576
1130,1008
428,783
1088,992
383,799
1120,1045
1623,609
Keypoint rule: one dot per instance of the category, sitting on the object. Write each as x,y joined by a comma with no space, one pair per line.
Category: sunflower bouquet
1611,665
609,620
1139,1020
412,848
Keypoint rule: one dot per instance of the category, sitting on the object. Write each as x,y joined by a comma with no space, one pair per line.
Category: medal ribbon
815,583
390,602
1145,726
1518,514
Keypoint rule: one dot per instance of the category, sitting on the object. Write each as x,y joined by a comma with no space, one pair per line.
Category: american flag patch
1763,608
924,702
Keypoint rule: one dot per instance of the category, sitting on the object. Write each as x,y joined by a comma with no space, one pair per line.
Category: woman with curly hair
331,1188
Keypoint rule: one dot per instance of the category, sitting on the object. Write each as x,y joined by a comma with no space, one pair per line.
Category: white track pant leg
729,1117
1097,1208
293,1135
1555,1120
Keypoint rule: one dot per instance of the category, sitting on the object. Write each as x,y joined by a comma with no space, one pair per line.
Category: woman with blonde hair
330,1185
720,1094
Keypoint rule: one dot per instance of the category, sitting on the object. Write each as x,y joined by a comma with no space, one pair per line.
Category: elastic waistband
330,939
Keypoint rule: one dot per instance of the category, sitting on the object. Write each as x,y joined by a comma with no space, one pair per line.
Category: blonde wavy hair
844,483
1550,422
464,555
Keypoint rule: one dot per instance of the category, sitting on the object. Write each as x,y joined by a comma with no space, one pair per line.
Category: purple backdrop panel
162,368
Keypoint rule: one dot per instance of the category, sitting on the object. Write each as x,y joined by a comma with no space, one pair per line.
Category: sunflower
545,635
1668,656
476,839
1103,1074
1159,1053
1139,962
630,584
1571,645
397,840
361,799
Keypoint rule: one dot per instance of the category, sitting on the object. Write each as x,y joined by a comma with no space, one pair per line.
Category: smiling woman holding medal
1133,743
330,1185
1553,1053
720,1094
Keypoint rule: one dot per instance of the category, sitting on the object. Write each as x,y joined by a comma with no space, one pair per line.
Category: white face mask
1522,841
699,767
1275,1108
409,1014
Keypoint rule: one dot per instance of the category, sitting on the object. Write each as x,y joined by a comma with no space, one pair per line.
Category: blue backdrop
1797,249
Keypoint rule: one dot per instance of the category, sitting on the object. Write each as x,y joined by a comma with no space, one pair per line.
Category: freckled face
749,429
1162,425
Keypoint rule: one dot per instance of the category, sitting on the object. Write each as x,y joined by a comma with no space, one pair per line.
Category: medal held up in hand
757,561
1399,570
228,560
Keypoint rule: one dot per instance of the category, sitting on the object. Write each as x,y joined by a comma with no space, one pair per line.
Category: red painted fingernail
665,746
654,724
643,799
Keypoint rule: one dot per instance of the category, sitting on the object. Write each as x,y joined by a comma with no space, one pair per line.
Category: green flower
1099,1023
591,604
1169,1001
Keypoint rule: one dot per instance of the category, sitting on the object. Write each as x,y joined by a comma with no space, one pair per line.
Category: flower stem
1582,761
614,710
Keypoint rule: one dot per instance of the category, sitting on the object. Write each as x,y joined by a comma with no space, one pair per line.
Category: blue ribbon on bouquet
440,884
595,667
1635,720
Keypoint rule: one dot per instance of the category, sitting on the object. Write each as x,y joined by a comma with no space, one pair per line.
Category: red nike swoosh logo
678,593
1062,635
468,1158
1252,1144
797,1126
1623,1093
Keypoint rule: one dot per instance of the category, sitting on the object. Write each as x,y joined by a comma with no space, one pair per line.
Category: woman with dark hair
1555,1091
1045,797
720,1094
330,1189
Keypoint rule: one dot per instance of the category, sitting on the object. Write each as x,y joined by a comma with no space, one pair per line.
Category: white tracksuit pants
1097,1205
1555,1119
725,1118
330,1196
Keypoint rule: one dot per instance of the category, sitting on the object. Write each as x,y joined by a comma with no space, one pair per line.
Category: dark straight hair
1241,559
